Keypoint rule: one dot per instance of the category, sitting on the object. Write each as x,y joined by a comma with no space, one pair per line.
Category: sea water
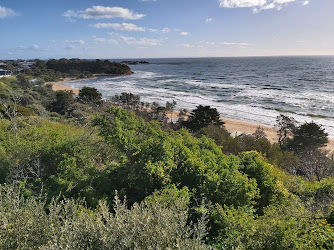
254,89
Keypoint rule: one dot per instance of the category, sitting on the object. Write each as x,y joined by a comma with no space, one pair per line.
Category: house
27,64
4,72
18,71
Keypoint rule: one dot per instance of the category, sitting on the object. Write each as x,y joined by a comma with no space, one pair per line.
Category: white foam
152,86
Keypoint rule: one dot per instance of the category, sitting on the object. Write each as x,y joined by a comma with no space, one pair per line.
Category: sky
111,29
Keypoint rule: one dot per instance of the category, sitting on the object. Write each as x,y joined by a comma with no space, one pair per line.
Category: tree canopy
202,117
90,96
95,67
308,136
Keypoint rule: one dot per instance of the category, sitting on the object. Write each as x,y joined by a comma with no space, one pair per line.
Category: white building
4,73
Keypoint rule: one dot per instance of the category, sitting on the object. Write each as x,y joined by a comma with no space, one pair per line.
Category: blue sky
165,28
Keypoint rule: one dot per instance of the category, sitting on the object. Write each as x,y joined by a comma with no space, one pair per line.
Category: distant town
14,67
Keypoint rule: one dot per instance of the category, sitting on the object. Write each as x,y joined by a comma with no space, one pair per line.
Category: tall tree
286,126
202,117
62,102
308,136
90,96
170,107
307,143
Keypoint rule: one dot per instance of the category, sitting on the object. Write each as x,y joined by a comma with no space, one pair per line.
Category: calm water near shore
254,89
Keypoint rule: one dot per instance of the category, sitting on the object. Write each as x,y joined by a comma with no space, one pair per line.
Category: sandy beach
238,127
57,86
235,127
60,86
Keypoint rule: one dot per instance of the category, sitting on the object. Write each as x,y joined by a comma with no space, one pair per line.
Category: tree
63,101
286,126
315,164
307,142
10,110
308,136
89,95
259,133
23,82
182,114
158,112
127,100
202,117
170,107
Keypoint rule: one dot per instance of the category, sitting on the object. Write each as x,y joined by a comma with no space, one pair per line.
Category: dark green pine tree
90,96
202,117
308,136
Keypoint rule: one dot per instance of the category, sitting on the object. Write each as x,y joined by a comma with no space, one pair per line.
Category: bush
68,224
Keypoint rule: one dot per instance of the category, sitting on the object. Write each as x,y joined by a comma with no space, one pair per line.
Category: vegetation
90,96
87,67
54,70
190,187
202,117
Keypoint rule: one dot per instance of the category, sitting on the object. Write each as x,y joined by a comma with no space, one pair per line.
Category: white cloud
186,45
119,26
241,3
236,44
166,30
283,1
22,48
153,30
99,39
77,42
268,7
141,41
228,43
208,20
257,5
101,12
6,12
70,13
183,33
306,2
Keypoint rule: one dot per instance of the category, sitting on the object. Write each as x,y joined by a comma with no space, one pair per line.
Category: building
27,64
4,73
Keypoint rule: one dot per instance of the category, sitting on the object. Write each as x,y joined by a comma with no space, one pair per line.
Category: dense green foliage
308,136
90,96
68,224
54,70
183,190
202,117
94,67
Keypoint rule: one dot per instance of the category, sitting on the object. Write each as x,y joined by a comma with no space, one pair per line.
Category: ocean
253,89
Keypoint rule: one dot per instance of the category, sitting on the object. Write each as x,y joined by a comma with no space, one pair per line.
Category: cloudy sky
165,28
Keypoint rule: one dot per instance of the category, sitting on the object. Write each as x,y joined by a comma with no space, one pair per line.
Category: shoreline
237,127
62,84
234,126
